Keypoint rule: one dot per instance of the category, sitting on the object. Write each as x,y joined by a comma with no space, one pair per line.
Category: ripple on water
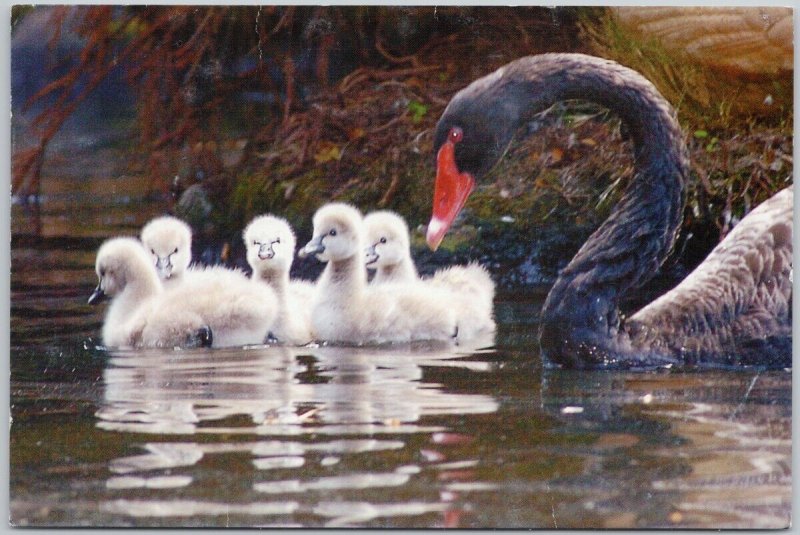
159,482
350,481
357,513
186,508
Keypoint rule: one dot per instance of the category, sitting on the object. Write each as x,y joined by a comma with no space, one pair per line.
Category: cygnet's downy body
471,287
169,241
217,307
348,310
270,246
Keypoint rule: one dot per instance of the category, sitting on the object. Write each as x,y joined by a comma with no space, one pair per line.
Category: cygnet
169,241
217,307
270,246
389,253
348,310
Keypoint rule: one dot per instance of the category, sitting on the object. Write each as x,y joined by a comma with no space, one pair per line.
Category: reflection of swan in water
712,445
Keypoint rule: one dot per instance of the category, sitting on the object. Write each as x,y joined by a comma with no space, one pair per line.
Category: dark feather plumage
734,309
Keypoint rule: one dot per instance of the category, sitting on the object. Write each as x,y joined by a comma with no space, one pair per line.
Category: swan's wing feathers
741,292
743,39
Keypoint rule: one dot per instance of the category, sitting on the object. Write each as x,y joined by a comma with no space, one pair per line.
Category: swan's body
169,241
217,303
747,41
740,55
732,310
746,277
470,287
270,246
348,310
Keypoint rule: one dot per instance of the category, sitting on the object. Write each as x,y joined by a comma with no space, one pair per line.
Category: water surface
428,435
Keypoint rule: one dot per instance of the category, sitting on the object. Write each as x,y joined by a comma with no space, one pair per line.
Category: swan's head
337,233
270,244
120,262
169,242
472,135
387,239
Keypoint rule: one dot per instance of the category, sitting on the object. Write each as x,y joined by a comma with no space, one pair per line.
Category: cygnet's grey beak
98,296
371,255
164,267
313,247
265,251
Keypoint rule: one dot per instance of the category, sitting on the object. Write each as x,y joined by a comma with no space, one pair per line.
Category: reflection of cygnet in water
282,390
385,386
151,391
218,308
348,310
169,241
270,246
363,390
470,287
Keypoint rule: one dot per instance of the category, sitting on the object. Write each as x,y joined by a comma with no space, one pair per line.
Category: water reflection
282,390
700,449
297,396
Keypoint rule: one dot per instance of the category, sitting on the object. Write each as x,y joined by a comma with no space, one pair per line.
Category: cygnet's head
169,241
270,244
337,233
120,261
387,239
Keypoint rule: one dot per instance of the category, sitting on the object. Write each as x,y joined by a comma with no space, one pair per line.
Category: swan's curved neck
633,242
649,118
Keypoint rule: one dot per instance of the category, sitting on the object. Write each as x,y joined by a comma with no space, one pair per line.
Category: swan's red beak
449,194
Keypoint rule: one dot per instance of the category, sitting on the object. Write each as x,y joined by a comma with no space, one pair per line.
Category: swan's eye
456,134
278,240
102,272
332,232
175,251
153,251
383,240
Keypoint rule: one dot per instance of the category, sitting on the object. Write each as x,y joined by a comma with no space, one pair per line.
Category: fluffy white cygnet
348,310
388,248
169,241
217,306
389,253
270,246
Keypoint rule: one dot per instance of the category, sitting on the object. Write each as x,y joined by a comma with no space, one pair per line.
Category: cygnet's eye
175,251
102,272
153,251
332,232
383,240
277,240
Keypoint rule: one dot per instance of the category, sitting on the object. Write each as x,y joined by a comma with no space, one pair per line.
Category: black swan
733,310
